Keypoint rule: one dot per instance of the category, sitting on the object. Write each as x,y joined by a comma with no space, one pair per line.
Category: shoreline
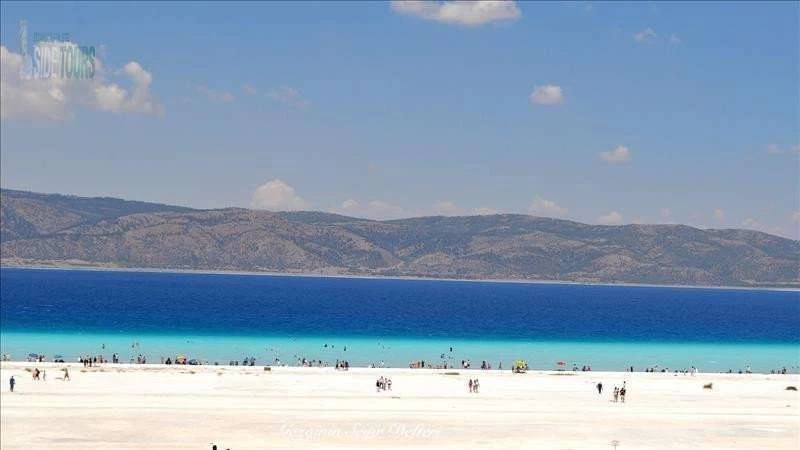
295,369
92,268
299,370
398,352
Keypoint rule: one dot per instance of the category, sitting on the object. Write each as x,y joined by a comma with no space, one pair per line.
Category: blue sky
597,112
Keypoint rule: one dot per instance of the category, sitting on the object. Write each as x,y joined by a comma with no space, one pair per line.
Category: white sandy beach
159,407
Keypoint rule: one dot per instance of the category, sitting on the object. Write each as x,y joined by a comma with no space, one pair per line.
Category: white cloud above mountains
612,218
374,209
775,149
449,208
646,35
465,13
58,99
215,95
549,94
618,155
286,95
548,208
276,195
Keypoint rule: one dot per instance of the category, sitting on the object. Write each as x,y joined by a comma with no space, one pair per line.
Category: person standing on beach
66,374
11,383
600,388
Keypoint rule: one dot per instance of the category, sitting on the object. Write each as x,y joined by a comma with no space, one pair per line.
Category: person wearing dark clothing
599,388
11,383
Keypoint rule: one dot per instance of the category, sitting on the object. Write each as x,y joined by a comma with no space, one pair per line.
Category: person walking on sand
470,385
12,382
600,388
66,374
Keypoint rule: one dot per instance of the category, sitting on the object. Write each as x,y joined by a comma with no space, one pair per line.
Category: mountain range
51,229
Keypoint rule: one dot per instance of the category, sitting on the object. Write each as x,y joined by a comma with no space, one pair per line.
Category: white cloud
755,224
544,207
612,218
275,195
283,94
20,98
215,96
775,149
288,96
549,94
675,40
447,208
140,100
375,209
350,205
719,215
57,99
619,155
467,13
484,211
646,35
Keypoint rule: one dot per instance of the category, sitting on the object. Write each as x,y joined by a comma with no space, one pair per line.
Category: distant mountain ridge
54,229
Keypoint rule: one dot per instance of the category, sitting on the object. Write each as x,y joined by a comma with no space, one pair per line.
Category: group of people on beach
36,358
474,385
383,384
248,361
342,365
619,393
89,361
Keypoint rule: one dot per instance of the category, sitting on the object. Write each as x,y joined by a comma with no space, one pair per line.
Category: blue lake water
219,317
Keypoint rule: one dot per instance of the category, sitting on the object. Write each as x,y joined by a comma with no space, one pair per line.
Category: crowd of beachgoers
250,361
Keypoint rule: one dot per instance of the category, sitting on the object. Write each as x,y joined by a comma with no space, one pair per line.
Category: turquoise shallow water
398,352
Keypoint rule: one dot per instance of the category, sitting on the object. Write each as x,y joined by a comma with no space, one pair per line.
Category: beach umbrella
33,355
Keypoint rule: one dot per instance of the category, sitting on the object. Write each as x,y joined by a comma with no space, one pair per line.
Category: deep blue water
80,301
